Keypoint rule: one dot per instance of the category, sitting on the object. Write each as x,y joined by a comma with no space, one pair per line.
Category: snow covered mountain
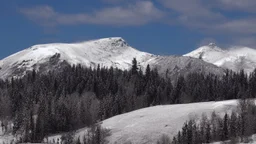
106,52
236,58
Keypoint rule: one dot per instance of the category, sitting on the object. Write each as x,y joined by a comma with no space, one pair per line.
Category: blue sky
157,26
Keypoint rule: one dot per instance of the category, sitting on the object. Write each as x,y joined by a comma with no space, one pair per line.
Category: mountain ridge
108,52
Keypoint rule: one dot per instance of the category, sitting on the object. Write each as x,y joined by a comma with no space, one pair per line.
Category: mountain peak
212,45
235,58
107,52
111,41
118,41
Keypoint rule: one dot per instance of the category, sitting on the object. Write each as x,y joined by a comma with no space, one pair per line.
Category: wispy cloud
217,18
237,5
238,26
43,15
211,16
139,13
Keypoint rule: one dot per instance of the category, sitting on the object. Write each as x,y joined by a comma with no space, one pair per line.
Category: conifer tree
214,122
208,133
148,72
135,68
233,125
225,127
190,132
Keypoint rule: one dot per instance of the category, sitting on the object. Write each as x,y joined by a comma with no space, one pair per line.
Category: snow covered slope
236,58
147,125
106,52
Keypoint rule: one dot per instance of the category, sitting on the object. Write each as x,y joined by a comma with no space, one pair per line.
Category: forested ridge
62,101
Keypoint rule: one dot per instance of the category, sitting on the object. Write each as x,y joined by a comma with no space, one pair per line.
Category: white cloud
44,15
191,9
217,18
140,13
212,18
238,26
194,14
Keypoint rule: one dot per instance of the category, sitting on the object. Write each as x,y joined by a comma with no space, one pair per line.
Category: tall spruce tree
208,133
135,68
225,127
148,72
233,125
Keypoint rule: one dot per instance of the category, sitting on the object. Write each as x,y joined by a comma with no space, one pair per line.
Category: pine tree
148,72
196,136
203,125
242,117
179,138
233,125
225,127
135,68
190,132
208,133
178,90
214,122
185,133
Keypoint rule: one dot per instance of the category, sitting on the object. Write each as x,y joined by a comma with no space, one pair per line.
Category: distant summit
212,45
236,59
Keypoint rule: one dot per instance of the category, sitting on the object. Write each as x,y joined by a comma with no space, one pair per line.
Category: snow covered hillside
236,58
148,124
107,52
